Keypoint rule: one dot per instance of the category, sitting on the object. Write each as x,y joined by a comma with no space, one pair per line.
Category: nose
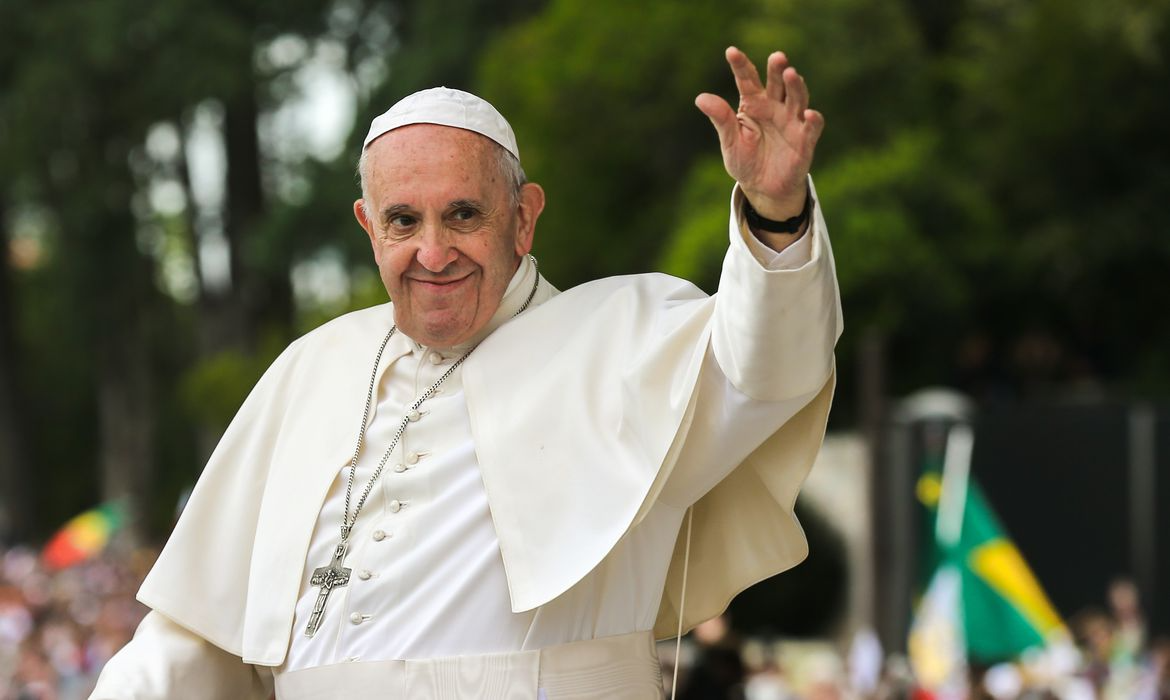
435,251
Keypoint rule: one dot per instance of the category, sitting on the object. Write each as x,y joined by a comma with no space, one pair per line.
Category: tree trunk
124,372
125,405
260,280
14,464
112,284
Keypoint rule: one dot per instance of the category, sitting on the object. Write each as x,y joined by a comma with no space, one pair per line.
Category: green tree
601,96
1062,112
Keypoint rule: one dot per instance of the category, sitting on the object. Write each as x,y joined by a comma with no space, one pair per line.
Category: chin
445,335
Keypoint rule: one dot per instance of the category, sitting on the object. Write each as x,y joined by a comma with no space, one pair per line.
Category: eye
402,221
463,214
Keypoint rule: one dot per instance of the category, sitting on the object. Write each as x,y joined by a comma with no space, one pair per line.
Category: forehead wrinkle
412,158
469,204
435,143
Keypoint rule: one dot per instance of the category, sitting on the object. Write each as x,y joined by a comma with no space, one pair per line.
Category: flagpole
955,478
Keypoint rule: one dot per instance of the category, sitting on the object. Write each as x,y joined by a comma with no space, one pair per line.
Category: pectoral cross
328,578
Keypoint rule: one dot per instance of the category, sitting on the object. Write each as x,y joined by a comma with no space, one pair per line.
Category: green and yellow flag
982,602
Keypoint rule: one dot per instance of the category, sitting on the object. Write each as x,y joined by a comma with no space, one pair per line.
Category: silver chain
347,522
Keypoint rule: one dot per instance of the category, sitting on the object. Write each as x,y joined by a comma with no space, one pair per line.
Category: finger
797,93
722,116
747,78
777,62
814,125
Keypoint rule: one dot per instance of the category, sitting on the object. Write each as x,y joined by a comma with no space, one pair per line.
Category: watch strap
791,225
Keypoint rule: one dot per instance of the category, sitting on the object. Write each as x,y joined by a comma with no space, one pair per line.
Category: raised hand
768,143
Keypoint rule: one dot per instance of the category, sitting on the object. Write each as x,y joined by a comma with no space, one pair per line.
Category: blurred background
991,514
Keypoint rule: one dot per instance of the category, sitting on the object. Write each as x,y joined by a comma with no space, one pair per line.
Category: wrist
791,218
778,208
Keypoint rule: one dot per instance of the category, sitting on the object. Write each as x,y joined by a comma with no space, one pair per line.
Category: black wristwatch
792,225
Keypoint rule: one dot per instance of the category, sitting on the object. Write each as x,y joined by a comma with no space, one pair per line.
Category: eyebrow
392,211
466,204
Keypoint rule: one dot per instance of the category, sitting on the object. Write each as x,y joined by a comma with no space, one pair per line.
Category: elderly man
477,490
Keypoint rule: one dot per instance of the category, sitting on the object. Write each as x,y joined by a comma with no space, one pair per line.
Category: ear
359,212
531,204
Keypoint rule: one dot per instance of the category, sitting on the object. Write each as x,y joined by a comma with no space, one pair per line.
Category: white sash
623,667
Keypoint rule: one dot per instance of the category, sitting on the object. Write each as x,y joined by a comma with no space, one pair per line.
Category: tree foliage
992,172
601,97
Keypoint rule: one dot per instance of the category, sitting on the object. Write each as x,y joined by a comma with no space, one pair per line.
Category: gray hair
507,164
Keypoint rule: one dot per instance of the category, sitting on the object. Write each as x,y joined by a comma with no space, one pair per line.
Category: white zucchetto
446,107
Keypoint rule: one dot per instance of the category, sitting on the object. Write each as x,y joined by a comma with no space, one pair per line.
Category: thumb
722,116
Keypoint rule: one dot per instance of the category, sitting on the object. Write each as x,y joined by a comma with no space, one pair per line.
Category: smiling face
446,231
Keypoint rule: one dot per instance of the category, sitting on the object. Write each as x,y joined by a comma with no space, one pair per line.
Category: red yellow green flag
83,537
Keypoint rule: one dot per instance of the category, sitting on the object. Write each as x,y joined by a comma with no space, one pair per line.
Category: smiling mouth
440,284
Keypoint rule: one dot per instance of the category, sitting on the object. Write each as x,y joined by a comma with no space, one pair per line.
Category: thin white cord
682,604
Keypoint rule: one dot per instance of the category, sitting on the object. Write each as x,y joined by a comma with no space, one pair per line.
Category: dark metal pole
1143,502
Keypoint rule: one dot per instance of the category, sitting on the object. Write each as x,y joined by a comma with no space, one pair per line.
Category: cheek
497,274
502,253
393,260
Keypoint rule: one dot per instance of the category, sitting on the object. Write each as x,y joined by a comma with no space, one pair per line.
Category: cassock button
365,574
412,458
395,506
380,535
413,416
436,358
399,468
356,618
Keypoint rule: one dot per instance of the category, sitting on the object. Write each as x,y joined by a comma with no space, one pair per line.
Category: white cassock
535,502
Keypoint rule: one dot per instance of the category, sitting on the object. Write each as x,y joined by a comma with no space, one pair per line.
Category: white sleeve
166,662
777,319
774,329
795,255
727,427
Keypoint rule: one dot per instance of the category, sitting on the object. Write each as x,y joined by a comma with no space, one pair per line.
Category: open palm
768,143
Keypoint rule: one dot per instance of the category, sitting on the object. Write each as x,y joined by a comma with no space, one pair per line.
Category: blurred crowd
57,629
1106,655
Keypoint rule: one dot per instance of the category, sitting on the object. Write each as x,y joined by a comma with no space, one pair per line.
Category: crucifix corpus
327,578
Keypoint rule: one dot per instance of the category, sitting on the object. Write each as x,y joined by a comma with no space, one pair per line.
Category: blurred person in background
897,681
1129,623
35,677
765,676
1159,686
718,672
1093,632
513,521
